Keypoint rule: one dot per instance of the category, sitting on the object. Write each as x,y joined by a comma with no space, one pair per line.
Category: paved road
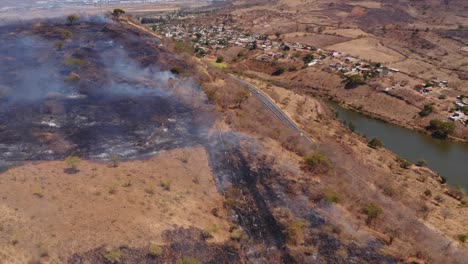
275,109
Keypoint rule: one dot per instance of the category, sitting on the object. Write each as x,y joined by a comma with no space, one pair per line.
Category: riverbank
392,121
363,99
445,157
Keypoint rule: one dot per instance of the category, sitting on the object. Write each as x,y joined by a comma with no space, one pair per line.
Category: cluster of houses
207,39
461,106
428,87
352,66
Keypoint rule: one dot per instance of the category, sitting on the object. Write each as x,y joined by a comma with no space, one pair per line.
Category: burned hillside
92,89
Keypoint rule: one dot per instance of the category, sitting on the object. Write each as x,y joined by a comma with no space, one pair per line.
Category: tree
421,163
118,12
375,143
427,110
253,45
66,34
440,129
295,231
278,72
176,70
372,211
317,161
308,58
464,109
220,59
353,81
72,18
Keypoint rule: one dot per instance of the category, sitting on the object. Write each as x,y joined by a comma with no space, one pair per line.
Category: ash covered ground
85,95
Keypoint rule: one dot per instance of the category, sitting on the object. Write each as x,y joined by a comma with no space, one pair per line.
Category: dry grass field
48,214
369,49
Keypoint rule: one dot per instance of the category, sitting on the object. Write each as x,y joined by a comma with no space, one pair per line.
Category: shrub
188,260
113,256
375,143
308,58
442,97
207,234
118,12
113,189
229,202
149,190
439,198
220,59
127,184
464,109
154,250
296,230
317,161
238,235
39,192
166,185
176,70
72,163
330,196
462,238
66,34
464,203
443,180
115,161
440,129
427,110
421,163
388,191
278,71
427,192
58,44
372,211
72,18
353,81
74,63
404,164
292,69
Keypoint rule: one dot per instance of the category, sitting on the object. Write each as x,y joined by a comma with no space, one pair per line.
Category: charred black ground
83,94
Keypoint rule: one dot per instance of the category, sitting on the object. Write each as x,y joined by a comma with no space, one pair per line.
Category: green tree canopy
118,12
72,18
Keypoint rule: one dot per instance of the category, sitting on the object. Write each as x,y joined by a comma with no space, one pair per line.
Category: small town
208,40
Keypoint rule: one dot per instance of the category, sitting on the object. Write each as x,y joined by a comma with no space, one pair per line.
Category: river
447,158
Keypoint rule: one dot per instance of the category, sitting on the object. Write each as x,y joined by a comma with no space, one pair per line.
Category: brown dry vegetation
45,210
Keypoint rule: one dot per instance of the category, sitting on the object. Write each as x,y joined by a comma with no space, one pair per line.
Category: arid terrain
419,48
119,143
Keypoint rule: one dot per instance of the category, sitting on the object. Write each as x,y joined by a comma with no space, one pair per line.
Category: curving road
275,109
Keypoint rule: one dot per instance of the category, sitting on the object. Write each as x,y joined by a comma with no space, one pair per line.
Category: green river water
447,158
